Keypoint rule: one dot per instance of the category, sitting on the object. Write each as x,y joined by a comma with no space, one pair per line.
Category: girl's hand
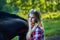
28,37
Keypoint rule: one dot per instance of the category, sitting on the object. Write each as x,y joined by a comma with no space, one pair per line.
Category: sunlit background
49,9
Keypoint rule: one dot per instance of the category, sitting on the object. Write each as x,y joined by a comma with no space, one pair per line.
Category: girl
36,31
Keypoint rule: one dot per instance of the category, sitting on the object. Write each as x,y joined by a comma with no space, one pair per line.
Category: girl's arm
30,31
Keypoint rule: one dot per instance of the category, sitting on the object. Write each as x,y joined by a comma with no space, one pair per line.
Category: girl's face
32,18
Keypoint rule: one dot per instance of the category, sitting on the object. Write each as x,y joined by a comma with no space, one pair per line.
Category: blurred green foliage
25,5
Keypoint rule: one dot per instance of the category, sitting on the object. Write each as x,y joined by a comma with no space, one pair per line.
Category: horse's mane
4,14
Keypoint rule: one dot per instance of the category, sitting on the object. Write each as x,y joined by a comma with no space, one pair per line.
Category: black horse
12,25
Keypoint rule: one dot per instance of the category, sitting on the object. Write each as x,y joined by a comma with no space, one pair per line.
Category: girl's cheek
33,20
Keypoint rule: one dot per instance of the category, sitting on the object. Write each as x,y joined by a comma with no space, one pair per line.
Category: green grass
51,27
15,38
